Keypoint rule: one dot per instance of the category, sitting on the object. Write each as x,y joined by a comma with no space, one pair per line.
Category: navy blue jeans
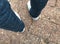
8,19
37,6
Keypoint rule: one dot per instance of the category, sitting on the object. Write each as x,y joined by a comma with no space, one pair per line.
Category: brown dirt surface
46,30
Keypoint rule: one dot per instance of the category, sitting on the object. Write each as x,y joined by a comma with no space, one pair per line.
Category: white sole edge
23,30
17,15
29,5
36,18
15,12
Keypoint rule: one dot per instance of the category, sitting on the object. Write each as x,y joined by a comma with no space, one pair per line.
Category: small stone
2,32
42,42
17,33
49,18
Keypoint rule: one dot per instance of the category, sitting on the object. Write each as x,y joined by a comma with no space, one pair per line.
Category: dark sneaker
29,8
35,7
9,19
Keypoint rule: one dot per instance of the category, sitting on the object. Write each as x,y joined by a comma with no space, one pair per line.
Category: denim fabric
37,6
8,19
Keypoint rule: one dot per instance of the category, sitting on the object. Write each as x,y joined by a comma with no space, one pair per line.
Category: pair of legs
10,20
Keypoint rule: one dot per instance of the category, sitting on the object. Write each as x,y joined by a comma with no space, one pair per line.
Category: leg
36,7
9,19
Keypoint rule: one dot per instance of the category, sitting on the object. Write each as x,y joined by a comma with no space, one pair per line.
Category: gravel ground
44,31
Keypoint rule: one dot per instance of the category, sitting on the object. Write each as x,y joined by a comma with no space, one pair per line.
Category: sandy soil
44,31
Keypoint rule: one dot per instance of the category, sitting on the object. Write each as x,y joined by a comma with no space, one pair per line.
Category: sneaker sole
23,30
